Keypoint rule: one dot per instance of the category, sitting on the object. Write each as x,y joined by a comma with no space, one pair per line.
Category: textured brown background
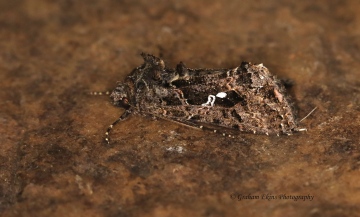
53,159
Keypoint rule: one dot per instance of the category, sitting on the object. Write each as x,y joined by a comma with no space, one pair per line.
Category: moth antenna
121,118
308,114
99,93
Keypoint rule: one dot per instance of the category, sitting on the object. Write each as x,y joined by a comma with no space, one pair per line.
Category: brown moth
247,98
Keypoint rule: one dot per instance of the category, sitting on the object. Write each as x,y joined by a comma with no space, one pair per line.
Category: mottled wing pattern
247,98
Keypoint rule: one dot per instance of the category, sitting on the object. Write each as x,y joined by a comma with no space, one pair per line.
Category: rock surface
54,162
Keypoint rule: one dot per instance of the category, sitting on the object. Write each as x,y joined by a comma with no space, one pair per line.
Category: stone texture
53,161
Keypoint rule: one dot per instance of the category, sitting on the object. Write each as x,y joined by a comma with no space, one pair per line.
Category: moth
247,98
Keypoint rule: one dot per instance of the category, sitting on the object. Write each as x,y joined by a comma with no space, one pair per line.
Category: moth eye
125,100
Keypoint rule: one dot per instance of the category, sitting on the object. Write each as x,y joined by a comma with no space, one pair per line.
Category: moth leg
121,118
203,126
170,113
99,93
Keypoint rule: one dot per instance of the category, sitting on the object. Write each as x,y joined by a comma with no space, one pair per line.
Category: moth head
120,96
